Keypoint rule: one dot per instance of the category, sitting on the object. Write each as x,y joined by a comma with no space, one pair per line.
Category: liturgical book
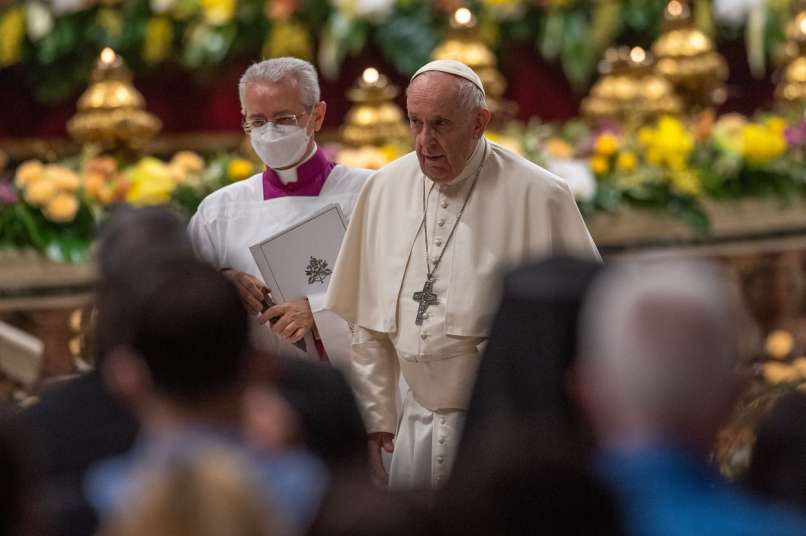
297,263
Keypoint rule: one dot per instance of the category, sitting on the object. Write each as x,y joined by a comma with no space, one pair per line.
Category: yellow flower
218,12
775,123
669,144
40,192
158,38
646,135
64,179
12,32
102,165
727,133
686,182
239,169
28,172
557,148
626,161
504,141
599,165
761,144
98,188
150,182
288,38
62,208
188,161
606,144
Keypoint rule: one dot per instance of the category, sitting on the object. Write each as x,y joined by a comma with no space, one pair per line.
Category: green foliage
572,34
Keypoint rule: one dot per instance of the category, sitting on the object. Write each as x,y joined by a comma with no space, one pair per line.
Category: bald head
659,344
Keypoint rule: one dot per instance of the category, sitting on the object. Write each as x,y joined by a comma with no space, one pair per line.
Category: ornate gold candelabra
688,59
374,119
791,89
629,91
463,44
111,112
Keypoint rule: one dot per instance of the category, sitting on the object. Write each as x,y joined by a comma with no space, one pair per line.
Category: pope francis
417,272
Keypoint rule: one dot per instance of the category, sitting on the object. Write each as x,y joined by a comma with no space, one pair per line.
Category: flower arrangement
675,166
56,208
57,40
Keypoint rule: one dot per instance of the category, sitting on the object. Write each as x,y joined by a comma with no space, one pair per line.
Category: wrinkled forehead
433,91
268,98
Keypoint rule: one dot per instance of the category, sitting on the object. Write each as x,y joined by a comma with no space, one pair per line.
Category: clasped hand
291,321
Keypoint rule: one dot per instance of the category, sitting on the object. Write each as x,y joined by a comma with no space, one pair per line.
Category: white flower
736,12
576,174
162,6
38,19
365,8
60,7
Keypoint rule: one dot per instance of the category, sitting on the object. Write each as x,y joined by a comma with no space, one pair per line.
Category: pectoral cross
425,298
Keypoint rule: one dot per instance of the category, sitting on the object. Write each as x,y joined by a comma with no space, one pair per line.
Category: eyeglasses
284,120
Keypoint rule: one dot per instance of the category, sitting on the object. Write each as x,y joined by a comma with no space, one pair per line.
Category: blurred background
678,124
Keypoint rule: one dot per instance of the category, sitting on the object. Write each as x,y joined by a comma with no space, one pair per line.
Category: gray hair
469,96
662,341
273,70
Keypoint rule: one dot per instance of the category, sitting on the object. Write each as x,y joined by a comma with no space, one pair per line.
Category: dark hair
531,483
15,475
532,347
193,333
777,468
330,420
136,246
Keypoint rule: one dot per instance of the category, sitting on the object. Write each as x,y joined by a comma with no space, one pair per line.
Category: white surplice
232,219
517,211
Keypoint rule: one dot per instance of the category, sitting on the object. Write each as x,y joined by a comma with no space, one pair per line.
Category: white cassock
232,219
517,211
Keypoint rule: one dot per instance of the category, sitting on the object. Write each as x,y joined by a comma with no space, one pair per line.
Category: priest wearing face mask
282,110
418,269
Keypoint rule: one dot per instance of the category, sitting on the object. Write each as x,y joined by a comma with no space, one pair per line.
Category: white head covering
456,68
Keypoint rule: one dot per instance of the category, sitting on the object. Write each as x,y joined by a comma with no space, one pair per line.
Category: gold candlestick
111,112
463,44
374,119
688,59
628,91
791,89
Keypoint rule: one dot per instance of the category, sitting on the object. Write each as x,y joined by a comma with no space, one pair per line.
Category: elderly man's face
271,101
444,134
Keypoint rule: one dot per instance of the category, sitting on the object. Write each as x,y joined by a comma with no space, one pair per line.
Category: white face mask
280,146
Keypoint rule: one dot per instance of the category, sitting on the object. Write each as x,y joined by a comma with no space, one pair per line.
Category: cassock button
440,459
438,242
441,440
425,317
434,259
444,204
424,336
441,222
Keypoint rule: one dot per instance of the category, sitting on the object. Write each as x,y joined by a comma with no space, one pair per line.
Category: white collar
289,175
470,167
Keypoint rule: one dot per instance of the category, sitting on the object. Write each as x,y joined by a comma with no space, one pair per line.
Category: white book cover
298,262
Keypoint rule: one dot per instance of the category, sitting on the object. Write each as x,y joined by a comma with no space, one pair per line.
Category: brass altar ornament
688,59
463,44
374,119
790,91
111,112
629,91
